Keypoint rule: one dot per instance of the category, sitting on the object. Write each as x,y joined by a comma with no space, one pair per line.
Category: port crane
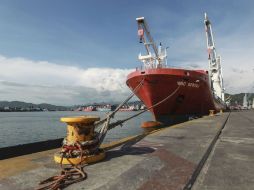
153,59
215,70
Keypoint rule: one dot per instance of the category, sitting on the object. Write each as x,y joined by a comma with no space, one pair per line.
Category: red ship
89,108
179,93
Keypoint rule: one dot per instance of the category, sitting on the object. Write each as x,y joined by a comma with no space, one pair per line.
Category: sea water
28,127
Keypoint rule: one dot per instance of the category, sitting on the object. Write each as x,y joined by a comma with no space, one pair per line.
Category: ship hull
189,91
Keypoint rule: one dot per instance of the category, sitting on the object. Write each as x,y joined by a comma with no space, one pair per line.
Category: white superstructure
155,59
215,70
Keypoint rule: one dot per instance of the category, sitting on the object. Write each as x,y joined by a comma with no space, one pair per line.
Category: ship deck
207,153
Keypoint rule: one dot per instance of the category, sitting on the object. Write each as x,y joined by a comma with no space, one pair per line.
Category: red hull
194,96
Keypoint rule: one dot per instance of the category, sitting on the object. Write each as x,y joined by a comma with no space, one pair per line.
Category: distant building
245,102
6,108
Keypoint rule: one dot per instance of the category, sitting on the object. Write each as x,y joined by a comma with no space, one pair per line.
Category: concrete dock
207,153
230,166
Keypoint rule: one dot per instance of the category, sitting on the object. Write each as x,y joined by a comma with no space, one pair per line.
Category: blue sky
87,35
93,33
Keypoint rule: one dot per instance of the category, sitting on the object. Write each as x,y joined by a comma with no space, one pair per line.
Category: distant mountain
111,103
239,97
19,104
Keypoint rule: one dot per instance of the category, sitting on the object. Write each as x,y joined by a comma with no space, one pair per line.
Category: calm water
26,127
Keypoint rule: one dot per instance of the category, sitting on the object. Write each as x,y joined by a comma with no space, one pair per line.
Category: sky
76,52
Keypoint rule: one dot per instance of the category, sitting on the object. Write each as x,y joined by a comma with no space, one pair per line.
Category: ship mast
215,70
155,59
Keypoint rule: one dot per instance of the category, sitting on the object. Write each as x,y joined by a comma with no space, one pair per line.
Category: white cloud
237,62
236,48
104,79
40,81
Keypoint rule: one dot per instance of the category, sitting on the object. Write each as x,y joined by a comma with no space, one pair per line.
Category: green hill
239,97
24,105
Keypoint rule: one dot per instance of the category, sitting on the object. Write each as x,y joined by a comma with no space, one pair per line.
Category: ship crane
155,59
215,70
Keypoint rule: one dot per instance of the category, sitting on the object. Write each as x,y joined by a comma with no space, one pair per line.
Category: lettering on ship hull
187,84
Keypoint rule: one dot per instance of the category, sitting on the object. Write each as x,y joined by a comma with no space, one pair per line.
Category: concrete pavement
166,159
231,164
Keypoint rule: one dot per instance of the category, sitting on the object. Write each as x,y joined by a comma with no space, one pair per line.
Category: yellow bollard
211,112
81,143
221,111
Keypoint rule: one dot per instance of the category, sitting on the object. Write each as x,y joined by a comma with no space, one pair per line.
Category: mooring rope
106,121
68,175
75,172
107,126
111,115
